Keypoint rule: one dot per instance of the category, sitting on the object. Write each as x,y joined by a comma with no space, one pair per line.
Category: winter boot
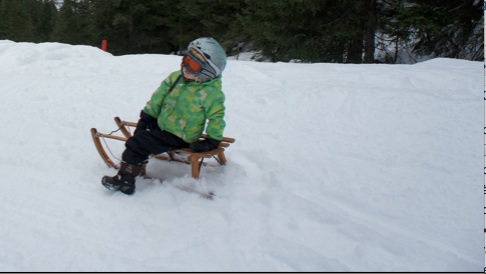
124,180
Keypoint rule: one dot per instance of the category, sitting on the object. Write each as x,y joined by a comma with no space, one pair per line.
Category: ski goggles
191,65
194,61
197,63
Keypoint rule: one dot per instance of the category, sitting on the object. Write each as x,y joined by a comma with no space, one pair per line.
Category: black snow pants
144,143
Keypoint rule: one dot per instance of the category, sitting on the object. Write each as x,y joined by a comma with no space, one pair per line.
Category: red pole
104,45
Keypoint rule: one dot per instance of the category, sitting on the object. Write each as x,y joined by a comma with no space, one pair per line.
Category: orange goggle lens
191,64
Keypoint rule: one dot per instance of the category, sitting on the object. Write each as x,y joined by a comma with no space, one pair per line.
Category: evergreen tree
15,23
313,30
458,29
84,23
102,27
154,26
442,28
43,14
66,28
134,26
73,23
351,24
214,18
47,20
283,30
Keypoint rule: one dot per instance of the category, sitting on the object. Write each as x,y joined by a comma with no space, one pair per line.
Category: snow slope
336,167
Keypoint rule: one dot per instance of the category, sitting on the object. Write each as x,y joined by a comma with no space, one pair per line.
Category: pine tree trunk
369,36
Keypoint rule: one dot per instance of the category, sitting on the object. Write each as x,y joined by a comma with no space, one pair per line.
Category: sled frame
195,159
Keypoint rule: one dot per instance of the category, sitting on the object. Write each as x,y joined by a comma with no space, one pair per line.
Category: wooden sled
195,159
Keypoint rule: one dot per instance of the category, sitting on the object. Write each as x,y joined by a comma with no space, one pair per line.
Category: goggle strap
214,68
208,73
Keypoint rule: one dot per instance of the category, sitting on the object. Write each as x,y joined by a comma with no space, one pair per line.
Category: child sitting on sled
176,114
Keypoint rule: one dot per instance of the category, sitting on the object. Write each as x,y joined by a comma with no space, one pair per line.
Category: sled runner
195,159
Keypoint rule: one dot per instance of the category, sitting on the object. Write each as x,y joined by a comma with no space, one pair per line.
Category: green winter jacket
184,111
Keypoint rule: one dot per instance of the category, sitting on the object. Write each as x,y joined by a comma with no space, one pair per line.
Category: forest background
342,31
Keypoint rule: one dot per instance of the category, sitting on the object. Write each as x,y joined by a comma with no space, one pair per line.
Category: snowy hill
336,167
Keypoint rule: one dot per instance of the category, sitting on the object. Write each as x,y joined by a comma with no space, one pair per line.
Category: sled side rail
123,124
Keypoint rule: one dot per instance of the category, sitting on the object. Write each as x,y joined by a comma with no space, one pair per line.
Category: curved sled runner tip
99,147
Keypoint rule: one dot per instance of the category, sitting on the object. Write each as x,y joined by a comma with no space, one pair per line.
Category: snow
336,167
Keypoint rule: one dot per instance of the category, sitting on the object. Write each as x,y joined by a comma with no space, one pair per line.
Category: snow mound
336,167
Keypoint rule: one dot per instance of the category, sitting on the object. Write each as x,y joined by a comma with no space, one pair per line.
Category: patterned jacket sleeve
215,111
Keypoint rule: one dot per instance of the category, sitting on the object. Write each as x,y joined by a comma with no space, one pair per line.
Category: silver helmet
213,54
